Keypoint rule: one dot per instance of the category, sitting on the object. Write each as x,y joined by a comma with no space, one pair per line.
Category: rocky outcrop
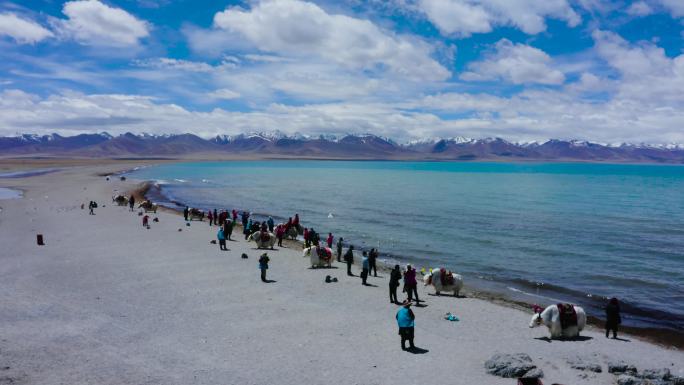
513,366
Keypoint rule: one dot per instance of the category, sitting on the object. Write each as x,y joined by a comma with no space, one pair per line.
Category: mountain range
367,146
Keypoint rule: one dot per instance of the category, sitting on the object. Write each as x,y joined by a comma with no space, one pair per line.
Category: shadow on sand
417,350
575,339
447,295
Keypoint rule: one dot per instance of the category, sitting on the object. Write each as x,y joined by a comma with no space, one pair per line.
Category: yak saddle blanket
568,316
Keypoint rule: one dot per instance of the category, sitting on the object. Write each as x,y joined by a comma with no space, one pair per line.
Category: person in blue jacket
221,239
406,321
263,266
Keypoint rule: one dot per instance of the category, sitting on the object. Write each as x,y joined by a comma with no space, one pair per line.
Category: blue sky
523,70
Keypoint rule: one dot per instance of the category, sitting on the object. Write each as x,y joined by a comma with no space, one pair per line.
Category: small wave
182,180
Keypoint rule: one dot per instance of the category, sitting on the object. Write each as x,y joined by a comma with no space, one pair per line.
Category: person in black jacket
613,318
395,277
349,258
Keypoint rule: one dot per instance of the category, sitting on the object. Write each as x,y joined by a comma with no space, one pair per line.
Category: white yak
551,317
317,260
435,279
262,243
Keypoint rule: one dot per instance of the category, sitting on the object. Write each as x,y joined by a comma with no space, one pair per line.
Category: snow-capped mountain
277,144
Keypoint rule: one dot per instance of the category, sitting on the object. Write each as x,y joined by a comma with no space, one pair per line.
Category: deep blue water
574,232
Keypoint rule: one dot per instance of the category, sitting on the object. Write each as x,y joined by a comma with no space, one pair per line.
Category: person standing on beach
364,268
314,238
91,207
613,318
245,218
246,229
406,321
410,283
228,228
146,221
210,216
186,211
234,215
221,239
295,222
395,277
216,218
131,202
372,261
307,244
263,266
349,258
330,240
270,224
339,249
280,233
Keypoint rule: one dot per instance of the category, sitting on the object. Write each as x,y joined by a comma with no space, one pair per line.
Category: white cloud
515,63
675,7
456,17
465,17
23,31
640,8
303,30
90,22
224,93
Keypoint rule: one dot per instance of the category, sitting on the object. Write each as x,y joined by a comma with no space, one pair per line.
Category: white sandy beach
106,301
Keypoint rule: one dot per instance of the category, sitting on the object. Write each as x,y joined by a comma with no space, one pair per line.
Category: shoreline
106,300
662,336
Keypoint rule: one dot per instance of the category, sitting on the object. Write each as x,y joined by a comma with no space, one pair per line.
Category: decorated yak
563,320
194,213
291,232
120,200
320,256
444,280
148,206
263,240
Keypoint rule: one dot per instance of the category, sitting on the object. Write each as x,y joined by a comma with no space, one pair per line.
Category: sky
608,71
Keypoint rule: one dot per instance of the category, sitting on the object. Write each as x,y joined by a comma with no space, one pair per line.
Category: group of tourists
405,317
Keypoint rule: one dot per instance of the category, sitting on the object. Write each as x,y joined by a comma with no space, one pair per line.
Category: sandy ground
107,301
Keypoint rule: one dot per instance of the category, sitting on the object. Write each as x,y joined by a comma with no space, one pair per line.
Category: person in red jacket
306,238
210,216
330,240
280,233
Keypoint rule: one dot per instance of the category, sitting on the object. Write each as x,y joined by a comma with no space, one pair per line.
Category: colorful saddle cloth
568,316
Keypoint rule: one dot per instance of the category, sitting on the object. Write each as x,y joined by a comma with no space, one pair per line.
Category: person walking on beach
339,249
330,239
410,283
270,224
364,268
406,321
91,207
395,277
263,266
349,258
186,211
210,216
372,261
221,239
613,318
131,202
228,228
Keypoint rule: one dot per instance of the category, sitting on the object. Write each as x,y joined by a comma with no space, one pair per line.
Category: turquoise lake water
544,232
